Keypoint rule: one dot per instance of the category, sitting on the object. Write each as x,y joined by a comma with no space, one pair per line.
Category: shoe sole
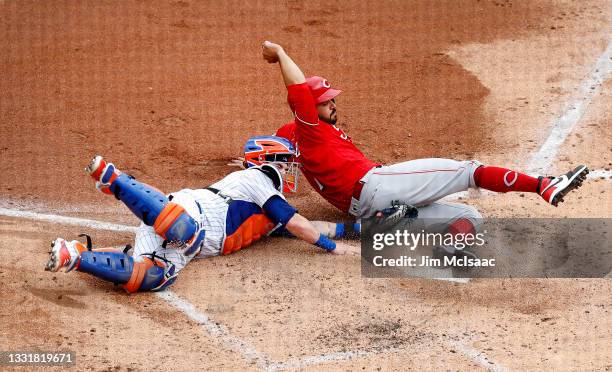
575,181
94,164
52,264
98,168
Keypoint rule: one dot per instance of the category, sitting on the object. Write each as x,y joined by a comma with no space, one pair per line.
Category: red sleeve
287,131
303,106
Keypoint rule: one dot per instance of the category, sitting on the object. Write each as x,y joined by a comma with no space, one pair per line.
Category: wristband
348,230
325,243
339,231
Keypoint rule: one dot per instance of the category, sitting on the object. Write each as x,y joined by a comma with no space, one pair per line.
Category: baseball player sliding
223,218
347,179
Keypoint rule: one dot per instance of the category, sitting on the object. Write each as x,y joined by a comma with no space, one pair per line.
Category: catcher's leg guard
150,205
169,220
133,276
143,200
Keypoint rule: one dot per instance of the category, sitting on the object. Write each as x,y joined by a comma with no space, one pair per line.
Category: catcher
229,215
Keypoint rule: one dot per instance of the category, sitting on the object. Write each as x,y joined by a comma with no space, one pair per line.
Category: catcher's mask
276,151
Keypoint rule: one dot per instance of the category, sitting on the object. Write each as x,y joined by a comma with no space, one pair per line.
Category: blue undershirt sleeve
278,210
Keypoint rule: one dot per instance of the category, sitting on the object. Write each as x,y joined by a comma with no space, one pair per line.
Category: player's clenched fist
270,51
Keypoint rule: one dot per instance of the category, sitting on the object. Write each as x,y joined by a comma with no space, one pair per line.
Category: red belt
357,189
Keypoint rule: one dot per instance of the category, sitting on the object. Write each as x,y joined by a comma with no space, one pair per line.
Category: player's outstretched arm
303,229
300,227
273,53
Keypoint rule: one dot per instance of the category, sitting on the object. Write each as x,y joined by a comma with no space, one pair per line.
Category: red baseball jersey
330,161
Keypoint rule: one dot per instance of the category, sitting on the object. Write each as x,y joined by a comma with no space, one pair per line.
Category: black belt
213,190
217,192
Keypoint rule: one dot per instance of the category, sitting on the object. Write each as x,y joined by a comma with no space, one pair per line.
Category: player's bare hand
346,249
270,51
238,162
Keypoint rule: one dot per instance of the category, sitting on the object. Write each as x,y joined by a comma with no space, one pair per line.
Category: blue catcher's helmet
276,151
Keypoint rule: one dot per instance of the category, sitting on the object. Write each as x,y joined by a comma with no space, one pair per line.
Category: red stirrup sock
504,180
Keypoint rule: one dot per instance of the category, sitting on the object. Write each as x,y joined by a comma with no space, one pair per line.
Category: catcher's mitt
389,217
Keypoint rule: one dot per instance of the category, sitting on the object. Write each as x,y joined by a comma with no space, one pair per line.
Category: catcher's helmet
276,151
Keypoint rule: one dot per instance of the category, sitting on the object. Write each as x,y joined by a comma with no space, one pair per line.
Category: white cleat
553,189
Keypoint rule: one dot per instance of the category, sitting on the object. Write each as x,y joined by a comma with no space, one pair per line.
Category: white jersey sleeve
250,185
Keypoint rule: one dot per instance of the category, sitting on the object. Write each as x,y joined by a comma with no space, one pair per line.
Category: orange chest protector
245,223
251,230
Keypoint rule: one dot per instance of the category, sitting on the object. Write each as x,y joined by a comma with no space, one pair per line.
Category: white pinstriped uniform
249,185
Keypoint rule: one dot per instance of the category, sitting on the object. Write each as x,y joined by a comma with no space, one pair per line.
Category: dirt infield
170,91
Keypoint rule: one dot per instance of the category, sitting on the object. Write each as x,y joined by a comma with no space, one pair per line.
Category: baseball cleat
64,255
103,173
95,167
554,189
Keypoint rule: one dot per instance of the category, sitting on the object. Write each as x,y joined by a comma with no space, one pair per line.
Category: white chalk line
54,218
478,357
605,174
299,363
563,126
216,330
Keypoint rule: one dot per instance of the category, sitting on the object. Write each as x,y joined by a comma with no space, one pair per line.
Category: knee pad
174,224
119,268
